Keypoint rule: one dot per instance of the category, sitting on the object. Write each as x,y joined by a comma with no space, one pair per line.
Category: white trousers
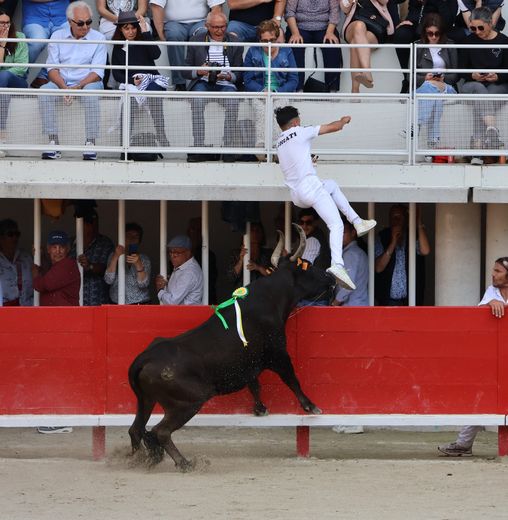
467,435
327,199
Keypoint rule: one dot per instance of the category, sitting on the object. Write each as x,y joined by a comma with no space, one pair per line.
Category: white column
37,241
496,237
246,258
163,239
287,226
371,251
205,264
79,251
458,254
411,278
121,260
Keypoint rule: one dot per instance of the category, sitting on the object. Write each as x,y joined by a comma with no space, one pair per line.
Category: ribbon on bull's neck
241,292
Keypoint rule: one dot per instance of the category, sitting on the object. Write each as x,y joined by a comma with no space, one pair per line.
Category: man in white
89,77
177,20
495,297
308,190
185,285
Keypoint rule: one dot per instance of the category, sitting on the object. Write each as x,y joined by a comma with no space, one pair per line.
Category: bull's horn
301,247
278,249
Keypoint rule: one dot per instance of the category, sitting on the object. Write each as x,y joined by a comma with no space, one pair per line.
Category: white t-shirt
187,11
293,149
492,293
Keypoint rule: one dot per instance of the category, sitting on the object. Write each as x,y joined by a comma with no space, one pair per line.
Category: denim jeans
34,30
8,80
244,31
47,106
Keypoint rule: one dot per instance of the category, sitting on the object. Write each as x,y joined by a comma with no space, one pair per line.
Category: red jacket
60,285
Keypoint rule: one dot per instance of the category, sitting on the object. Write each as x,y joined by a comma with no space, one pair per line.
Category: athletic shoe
342,277
476,161
54,429
89,155
455,450
492,140
53,154
364,226
350,430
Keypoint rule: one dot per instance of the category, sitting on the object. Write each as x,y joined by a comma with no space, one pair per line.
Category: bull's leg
259,408
137,430
282,365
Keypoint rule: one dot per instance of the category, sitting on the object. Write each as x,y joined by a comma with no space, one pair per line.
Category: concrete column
458,254
496,239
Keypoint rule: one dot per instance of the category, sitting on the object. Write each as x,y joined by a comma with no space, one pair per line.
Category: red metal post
502,441
99,442
303,441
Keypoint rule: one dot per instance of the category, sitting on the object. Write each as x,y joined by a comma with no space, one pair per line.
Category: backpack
146,139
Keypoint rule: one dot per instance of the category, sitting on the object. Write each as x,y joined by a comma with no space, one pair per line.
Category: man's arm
336,126
158,16
496,307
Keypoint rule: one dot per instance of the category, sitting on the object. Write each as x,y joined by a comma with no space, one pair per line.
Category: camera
213,74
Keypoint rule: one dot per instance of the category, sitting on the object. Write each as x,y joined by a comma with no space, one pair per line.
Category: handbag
376,24
312,84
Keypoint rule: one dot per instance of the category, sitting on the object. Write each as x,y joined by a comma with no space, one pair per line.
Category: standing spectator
246,15
179,21
89,77
15,267
96,251
368,21
185,285
203,80
12,75
392,257
311,21
59,285
133,28
495,297
484,56
110,10
40,20
137,272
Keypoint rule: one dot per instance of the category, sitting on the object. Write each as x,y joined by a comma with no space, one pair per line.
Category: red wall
363,360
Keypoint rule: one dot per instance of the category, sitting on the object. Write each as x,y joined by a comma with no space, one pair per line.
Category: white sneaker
347,429
89,155
364,226
54,429
343,279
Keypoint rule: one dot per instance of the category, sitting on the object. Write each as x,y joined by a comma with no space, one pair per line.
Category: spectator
409,30
356,262
204,80
495,297
392,258
464,18
368,21
11,74
110,10
259,261
59,285
89,77
132,27
96,251
40,20
185,285
311,21
485,56
137,273
257,81
317,250
246,15
430,111
179,21
15,267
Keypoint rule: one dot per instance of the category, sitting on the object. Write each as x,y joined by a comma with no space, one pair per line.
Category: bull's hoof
313,409
186,465
155,450
260,410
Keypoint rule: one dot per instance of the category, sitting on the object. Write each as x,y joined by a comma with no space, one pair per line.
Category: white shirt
9,278
77,54
186,11
293,150
185,285
492,293
356,262
312,249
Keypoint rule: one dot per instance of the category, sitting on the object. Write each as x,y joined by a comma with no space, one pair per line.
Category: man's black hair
285,114
8,225
308,212
134,226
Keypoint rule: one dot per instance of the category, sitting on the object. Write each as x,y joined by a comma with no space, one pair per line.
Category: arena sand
252,474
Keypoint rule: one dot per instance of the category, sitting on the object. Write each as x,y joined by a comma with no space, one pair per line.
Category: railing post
371,250
79,251
205,250
37,241
411,286
121,260
246,258
163,238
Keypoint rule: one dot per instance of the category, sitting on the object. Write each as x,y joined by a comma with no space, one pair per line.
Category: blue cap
60,238
182,241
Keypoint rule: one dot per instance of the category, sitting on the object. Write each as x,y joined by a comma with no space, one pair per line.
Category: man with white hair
89,77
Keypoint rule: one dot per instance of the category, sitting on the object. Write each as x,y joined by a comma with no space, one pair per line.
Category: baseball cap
58,238
182,241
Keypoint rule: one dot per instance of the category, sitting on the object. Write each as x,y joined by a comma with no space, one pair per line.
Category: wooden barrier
384,366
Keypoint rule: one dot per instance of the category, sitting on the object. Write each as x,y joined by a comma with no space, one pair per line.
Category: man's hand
343,121
35,270
84,262
497,308
160,282
405,22
330,37
296,38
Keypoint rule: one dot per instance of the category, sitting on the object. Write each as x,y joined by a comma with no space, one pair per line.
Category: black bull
184,372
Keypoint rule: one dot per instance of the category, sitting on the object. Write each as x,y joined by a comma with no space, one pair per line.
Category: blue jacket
254,81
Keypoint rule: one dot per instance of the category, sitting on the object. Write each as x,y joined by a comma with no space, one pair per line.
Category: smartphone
133,249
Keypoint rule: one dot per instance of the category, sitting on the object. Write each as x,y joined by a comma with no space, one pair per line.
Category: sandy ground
252,474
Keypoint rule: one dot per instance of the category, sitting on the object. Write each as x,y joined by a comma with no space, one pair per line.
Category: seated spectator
133,28
137,272
109,11
356,262
178,21
464,18
224,80
185,285
89,77
257,81
246,15
40,20
60,284
368,21
259,260
15,267
312,21
485,56
11,74
438,82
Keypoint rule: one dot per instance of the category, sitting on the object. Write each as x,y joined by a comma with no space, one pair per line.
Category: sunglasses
82,22
270,40
12,234
432,34
474,28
